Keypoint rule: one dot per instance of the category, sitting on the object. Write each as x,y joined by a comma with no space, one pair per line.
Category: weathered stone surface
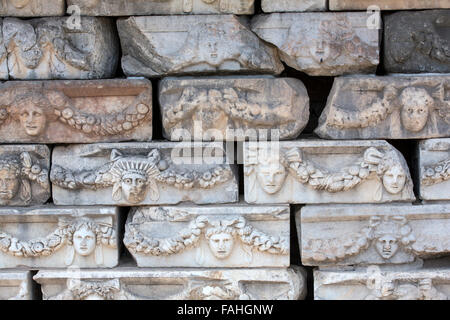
163,7
233,107
389,107
317,171
77,111
32,8
4,74
372,284
344,5
142,173
372,234
58,237
173,284
322,44
293,5
51,48
16,285
434,163
24,175
161,45
417,41
212,236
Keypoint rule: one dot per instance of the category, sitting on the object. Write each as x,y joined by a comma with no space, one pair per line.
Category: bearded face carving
9,182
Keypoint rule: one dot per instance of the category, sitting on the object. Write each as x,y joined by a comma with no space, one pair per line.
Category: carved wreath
437,173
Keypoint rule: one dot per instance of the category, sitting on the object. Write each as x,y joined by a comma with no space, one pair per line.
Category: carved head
9,179
84,239
93,290
32,112
212,38
221,241
416,106
271,174
394,179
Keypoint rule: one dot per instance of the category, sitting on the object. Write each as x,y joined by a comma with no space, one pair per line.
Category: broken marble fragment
16,285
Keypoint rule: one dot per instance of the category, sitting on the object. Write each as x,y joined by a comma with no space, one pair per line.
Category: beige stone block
343,5
293,5
32,8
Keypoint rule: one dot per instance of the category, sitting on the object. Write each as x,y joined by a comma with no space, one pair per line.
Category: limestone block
16,285
388,107
142,173
434,163
233,107
318,171
53,48
343,5
24,175
77,111
173,284
374,284
342,235
293,5
4,75
417,41
322,44
212,236
162,45
163,7
32,8
58,237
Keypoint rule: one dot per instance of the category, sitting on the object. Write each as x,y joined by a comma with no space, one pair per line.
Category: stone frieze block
317,171
58,237
232,236
77,111
293,5
32,8
344,5
127,174
233,107
322,44
53,48
417,41
205,44
388,107
24,175
16,285
342,235
173,284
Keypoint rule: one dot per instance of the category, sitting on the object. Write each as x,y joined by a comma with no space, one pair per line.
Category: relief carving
437,173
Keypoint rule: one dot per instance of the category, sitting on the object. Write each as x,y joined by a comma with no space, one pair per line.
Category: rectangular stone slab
426,284
32,8
59,48
229,108
77,111
142,174
204,44
417,41
232,236
59,237
163,7
322,44
343,5
24,175
388,107
434,164
173,284
16,285
317,171
395,234
293,5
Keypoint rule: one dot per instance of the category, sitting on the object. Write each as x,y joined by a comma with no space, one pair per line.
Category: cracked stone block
233,107
16,285
59,237
344,5
318,171
387,107
293,5
322,44
204,44
126,283
32,8
232,236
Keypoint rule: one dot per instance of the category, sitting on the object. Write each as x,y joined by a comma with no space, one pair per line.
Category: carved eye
216,240
410,110
140,181
421,110
127,181
89,237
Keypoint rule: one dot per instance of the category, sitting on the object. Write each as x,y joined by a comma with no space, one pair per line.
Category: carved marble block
322,44
344,5
16,285
233,107
173,284
342,235
417,41
388,107
374,284
59,48
317,171
163,7
204,44
434,163
32,8
58,237
76,111
212,236
293,5
24,175
127,174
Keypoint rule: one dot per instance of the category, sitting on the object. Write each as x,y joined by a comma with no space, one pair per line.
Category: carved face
9,184
215,46
320,51
387,246
394,179
84,241
221,245
33,120
134,187
414,117
271,175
